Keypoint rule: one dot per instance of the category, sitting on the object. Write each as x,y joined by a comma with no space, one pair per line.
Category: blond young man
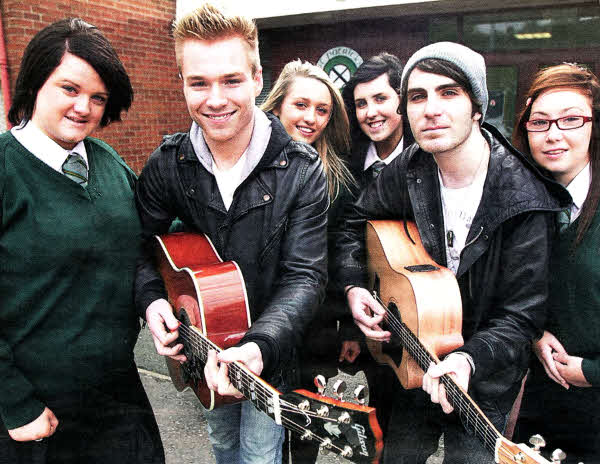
261,198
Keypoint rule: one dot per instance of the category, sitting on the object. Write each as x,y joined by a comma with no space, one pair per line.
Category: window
533,29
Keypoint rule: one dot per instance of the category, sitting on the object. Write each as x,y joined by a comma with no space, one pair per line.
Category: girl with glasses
559,127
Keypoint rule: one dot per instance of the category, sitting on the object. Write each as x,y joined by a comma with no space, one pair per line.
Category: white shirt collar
43,147
373,157
578,188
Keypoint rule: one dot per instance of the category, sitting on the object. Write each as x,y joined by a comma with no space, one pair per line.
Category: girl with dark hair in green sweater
560,128
69,240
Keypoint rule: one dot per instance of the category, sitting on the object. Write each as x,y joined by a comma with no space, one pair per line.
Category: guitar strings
195,340
201,345
239,375
289,407
465,406
462,404
245,382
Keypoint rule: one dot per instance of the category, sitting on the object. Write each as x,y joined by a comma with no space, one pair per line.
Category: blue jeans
241,434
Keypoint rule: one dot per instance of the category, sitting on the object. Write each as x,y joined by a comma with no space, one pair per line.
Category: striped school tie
75,169
563,219
376,168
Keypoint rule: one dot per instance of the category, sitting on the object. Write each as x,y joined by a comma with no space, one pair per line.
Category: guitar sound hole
394,347
192,370
394,310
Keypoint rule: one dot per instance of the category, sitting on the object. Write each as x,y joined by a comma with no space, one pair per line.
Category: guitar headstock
343,428
508,452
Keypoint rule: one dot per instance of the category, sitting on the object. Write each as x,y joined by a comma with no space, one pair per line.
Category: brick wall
139,30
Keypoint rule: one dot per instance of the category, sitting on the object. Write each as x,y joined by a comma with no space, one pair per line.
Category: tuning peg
538,442
304,405
320,383
306,436
344,418
346,452
323,411
325,445
558,455
339,387
359,394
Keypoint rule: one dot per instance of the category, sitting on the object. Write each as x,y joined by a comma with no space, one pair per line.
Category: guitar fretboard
266,399
472,418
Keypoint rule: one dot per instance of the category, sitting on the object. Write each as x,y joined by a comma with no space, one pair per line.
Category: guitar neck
472,417
264,397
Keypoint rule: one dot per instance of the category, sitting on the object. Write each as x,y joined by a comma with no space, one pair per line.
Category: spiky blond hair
211,23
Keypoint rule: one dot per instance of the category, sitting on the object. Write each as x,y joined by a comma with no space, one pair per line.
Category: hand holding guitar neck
216,370
454,365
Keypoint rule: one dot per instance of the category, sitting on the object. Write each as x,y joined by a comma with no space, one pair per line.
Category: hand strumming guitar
159,316
363,305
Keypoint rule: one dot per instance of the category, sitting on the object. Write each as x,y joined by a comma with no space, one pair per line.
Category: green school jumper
67,264
574,302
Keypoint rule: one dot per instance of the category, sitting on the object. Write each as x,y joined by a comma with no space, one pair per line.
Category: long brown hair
334,142
574,77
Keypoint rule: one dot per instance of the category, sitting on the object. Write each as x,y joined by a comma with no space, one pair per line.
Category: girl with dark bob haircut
383,63
69,241
45,52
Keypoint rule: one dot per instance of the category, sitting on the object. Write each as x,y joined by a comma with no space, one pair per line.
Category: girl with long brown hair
560,128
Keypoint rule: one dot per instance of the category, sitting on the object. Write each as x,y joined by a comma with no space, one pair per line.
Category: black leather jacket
275,230
503,270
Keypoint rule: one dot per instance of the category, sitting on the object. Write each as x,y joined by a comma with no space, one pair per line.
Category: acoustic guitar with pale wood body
424,311
209,299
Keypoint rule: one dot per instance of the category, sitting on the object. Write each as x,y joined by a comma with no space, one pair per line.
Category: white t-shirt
228,180
459,207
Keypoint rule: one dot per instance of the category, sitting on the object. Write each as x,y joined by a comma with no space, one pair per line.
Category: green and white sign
340,63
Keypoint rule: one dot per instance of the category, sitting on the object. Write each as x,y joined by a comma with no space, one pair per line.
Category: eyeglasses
564,123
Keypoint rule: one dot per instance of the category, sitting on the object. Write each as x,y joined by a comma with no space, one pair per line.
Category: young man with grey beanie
483,211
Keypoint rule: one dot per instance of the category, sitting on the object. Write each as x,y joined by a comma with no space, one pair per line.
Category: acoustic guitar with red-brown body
209,299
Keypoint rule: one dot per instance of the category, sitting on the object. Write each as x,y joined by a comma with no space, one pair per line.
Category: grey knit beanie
468,61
